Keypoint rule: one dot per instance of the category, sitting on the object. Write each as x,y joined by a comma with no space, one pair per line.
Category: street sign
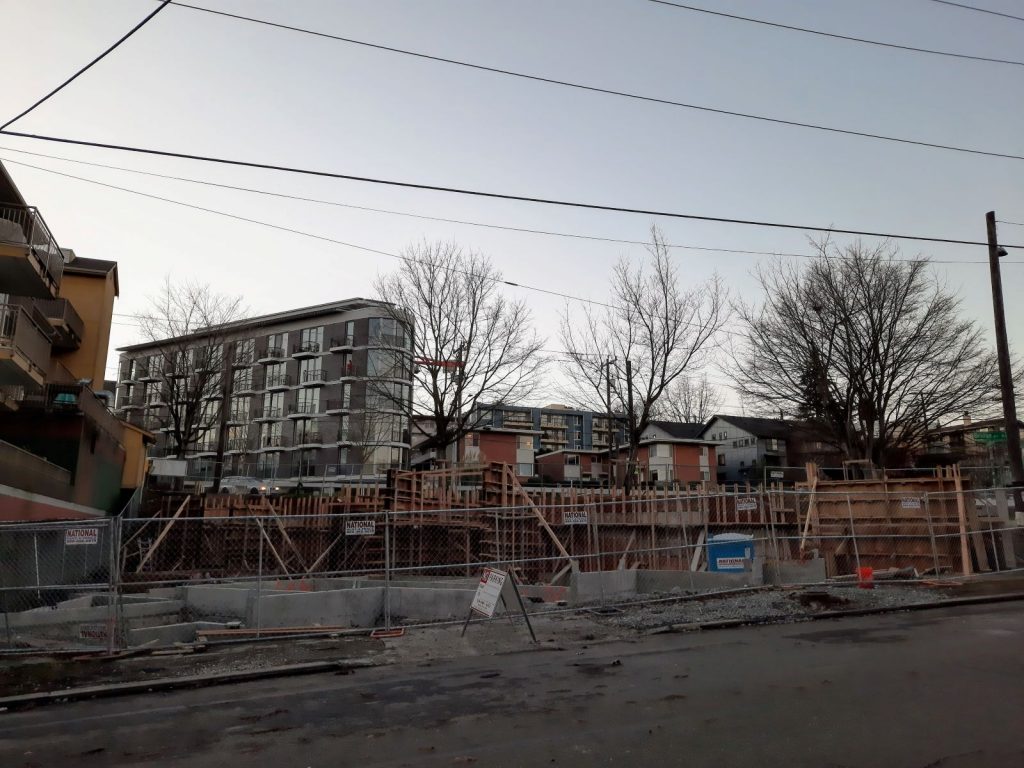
488,592
360,527
79,536
989,437
575,517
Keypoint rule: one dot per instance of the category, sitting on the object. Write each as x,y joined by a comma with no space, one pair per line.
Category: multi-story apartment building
63,454
319,392
557,427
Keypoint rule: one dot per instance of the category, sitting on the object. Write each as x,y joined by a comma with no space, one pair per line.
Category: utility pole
630,422
613,447
228,351
1005,373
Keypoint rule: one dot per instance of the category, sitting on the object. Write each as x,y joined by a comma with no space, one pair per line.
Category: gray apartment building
318,392
557,427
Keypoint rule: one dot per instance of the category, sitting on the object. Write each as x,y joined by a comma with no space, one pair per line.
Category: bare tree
188,320
870,348
689,399
662,330
472,346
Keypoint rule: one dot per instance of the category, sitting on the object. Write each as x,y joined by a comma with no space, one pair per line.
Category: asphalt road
942,689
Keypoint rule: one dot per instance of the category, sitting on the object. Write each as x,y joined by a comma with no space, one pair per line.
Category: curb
852,613
12,703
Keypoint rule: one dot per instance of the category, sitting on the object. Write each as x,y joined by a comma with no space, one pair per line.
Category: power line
494,195
1012,223
88,66
605,91
486,225
979,10
836,36
293,231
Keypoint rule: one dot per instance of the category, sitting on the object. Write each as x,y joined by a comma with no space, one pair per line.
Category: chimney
967,419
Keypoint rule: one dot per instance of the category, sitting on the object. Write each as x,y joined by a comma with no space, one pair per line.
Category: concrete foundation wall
696,581
416,604
342,608
97,615
601,585
807,572
168,634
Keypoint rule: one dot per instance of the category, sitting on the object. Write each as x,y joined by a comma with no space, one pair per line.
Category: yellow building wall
93,298
134,441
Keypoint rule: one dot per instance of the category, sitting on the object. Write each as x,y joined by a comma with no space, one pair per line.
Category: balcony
270,355
132,404
268,414
278,381
310,439
206,446
239,445
343,343
273,442
67,325
245,386
314,378
24,348
306,349
337,405
31,263
238,417
148,374
301,409
242,358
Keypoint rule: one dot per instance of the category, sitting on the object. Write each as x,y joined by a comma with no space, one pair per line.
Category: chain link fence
218,568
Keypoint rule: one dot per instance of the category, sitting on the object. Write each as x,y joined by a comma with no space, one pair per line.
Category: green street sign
989,437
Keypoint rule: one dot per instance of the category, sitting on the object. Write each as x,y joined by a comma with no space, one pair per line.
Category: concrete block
217,601
696,581
342,607
98,615
795,572
427,604
169,634
601,585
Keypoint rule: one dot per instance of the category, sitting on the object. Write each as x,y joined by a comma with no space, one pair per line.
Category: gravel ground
768,603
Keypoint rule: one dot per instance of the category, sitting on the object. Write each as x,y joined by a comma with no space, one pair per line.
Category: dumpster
730,552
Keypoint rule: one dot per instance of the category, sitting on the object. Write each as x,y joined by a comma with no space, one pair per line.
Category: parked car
240,485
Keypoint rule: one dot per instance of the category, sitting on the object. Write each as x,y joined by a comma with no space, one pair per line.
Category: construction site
412,551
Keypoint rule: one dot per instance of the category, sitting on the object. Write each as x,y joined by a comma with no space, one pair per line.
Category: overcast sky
198,83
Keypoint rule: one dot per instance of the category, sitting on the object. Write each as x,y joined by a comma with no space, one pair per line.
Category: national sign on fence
575,517
79,536
360,527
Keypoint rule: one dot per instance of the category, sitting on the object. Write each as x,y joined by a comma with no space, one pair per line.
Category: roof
974,426
77,265
778,428
317,310
9,193
573,452
682,429
675,441
505,430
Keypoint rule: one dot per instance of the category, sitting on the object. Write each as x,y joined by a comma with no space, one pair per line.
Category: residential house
557,427
757,450
573,465
978,446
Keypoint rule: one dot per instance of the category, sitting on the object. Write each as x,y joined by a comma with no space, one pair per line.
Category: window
311,339
345,429
309,370
386,396
388,332
524,442
347,366
524,470
572,460
241,380
273,405
661,451
268,465
241,407
387,363
238,438
473,439
703,451
307,431
271,435
277,375
308,401
705,474
276,343
721,459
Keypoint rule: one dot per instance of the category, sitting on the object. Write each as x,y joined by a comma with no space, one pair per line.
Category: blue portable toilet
730,552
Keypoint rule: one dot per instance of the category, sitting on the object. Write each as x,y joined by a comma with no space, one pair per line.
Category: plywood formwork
918,522
447,522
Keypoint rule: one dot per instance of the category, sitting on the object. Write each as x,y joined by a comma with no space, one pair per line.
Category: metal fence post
931,534
387,569
853,534
259,582
112,582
